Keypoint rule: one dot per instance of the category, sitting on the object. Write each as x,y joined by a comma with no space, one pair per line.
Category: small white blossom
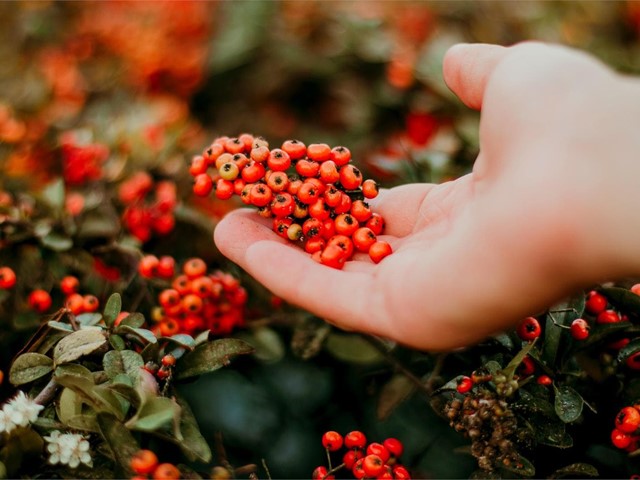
6,425
22,410
68,449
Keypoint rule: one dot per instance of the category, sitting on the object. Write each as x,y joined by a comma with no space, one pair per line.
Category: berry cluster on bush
361,459
144,463
149,205
197,300
321,206
626,434
81,163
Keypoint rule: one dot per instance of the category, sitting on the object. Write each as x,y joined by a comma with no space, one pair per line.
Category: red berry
620,439
319,152
75,303
328,172
358,469
635,289
401,473
320,473
360,211
363,238
166,471
350,177
90,303
295,148
224,189
394,446
544,380
69,285
333,256
332,441
465,384
633,361
529,329
340,155
307,168
198,166
253,172
375,223
7,278
278,160
372,465
608,316
194,268
579,329
628,420
166,267
202,185
147,266
527,367
260,195
40,300
378,250
168,360
143,462
351,457
355,439
278,182
380,450
370,188
595,303
169,298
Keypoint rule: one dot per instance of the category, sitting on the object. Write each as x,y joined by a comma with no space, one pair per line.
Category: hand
544,212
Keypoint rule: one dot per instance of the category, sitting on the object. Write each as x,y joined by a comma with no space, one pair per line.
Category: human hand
554,176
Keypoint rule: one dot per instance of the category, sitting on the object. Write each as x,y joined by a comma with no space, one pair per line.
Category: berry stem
328,458
333,470
555,322
72,320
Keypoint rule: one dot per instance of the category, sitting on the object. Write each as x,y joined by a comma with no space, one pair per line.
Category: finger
467,68
400,207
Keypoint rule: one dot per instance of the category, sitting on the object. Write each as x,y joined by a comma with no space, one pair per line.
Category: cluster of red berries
76,302
145,464
196,300
321,206
81,163
149,205
373,460
164,370
626,434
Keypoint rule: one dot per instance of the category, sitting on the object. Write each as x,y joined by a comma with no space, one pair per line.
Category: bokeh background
156,81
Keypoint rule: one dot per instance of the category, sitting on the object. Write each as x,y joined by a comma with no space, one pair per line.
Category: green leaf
117,362
69,405
112,309
24,444
120,441
29,367
133,320
106,401
181,340
576,470
568,403
211,356
117,342
553,333
143,334
126,391
155,413
76,377
56,242
622,299
53,194
78,344
88,319
352,348
193,444
62,327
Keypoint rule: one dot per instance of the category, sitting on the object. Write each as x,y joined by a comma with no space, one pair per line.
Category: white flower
68,449
22,410
6,425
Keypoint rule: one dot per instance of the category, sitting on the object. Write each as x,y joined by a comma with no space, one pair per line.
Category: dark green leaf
120,441
521,467
155,413
112,309
106,401
181,340
268,345
352,348
629,349
568,404
48,341
29,367
565,313
193,444
211,356
126,391
89,319
622,299
577,470
126,362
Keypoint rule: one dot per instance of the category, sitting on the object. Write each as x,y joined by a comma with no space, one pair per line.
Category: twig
333,470
266,469
378,345
47,393
72,320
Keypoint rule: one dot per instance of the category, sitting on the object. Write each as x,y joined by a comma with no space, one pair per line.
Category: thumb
467,68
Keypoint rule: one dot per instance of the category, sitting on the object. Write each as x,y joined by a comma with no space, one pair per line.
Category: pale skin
549,208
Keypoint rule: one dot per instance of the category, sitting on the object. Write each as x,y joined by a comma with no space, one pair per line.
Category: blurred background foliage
156,81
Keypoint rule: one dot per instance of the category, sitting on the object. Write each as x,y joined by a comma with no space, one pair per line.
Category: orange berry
379,250
194,268
166,471
143,462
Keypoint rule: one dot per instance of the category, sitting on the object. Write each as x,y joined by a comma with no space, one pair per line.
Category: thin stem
328,458
47,393
266,469
334,470
378,345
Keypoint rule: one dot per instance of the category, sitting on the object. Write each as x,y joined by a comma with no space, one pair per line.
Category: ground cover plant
132,349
